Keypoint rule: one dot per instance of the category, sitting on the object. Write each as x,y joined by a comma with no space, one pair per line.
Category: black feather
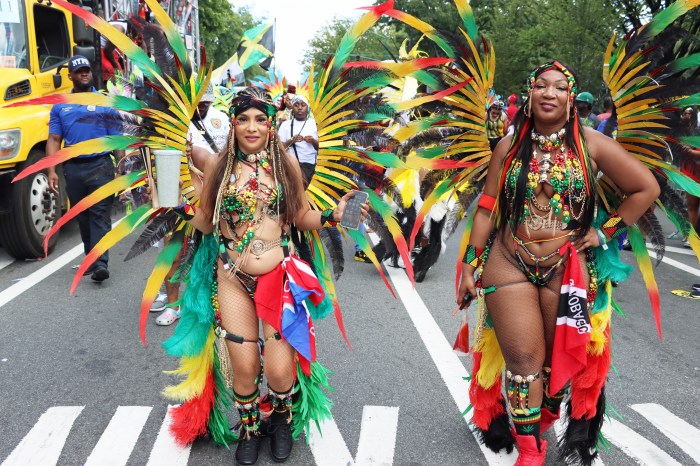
499,434
154,232
429,254
334,247
650,226
578,445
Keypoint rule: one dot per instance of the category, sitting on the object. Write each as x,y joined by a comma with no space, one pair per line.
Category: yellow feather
196,370
492,362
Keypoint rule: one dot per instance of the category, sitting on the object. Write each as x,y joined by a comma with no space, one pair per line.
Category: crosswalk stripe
43,444
120,436
680,432
448,364
166,451
377,435
642,450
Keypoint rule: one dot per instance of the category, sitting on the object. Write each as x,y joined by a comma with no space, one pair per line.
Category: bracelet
327,218
185,211
614,226
473,256
601,239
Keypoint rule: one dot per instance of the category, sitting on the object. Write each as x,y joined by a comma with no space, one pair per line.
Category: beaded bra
559,167
240,204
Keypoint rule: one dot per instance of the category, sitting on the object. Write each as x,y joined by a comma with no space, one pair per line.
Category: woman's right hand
467,283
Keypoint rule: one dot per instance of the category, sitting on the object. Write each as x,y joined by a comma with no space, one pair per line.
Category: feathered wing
180,88
637,79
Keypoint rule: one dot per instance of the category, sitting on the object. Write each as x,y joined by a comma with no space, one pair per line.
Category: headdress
253,97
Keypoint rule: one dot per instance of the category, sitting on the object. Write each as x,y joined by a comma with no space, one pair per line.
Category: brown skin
301,111
251,133
549,103
82,82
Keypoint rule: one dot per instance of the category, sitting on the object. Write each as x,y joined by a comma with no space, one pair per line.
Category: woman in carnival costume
532,243
252,194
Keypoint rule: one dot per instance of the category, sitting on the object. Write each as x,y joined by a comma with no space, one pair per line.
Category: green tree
379,43
221,28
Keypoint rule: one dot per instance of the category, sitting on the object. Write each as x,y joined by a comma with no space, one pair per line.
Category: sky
297,23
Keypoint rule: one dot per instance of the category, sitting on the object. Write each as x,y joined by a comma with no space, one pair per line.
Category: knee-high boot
280,429
250,435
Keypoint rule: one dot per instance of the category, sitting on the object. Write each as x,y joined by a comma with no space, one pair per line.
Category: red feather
341,325
487,403
587,384
462,341
191,418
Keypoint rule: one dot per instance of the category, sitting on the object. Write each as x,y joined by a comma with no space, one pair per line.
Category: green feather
683,181
218,426
311,403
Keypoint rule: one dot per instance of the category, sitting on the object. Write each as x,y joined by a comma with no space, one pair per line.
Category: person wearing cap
512,106
210,126
70,124
299,135
584,105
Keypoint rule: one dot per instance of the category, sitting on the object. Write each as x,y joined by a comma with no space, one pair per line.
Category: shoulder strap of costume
203,130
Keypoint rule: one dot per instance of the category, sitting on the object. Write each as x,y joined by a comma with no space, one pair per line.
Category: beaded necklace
564,173
243,201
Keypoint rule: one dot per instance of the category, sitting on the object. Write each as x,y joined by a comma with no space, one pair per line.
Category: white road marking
329,448
448,364
43,444
11,292
377,436
166,451
642,450
676,264
680,432
684,251
120,436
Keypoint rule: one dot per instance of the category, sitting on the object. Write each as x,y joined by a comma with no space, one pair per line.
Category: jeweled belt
258,247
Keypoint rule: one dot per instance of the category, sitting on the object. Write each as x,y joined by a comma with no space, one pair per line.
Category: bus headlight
10,140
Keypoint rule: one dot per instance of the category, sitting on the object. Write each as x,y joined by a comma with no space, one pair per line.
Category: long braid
230,154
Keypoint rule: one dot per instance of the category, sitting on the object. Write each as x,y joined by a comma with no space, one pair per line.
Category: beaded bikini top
559,167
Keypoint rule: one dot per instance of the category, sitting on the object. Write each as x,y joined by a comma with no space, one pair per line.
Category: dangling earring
528,106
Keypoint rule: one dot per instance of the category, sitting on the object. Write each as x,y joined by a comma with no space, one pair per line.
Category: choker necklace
549,143
252,158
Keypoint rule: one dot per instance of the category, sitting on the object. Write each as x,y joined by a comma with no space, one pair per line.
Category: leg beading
551,402
525,419
249,410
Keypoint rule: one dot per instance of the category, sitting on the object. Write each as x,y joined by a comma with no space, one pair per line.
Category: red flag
573,331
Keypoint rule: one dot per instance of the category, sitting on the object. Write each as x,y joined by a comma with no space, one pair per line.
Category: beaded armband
185,211
614,226
327,218
473,256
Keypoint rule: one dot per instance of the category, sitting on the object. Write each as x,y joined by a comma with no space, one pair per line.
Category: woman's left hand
590,239
338,212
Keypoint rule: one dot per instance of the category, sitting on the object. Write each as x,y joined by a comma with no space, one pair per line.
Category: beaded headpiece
553,65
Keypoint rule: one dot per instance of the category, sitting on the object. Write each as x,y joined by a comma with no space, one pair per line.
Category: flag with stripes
280,301
573,330
257,47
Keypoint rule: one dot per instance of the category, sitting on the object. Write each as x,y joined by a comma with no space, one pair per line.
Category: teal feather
192,331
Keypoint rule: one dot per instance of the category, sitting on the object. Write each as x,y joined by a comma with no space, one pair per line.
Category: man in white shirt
209,127
299,135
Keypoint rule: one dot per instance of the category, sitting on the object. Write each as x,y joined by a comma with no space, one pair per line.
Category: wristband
327,218
614,226
487,202
473,256
601,239
185,211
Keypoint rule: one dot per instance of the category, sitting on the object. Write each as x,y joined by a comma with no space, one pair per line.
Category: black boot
250,436
280,429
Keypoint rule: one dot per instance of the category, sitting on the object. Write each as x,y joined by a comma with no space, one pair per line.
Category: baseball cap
208,95
512,98
77,62
585,97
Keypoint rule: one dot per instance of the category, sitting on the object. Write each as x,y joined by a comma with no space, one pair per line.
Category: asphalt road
72,371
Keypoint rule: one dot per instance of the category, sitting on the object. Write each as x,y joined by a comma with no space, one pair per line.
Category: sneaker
100,274
360,256
168,317
686,244
159,303
695,294
696,287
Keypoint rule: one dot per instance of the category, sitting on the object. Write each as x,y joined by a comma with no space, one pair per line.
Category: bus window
52,40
